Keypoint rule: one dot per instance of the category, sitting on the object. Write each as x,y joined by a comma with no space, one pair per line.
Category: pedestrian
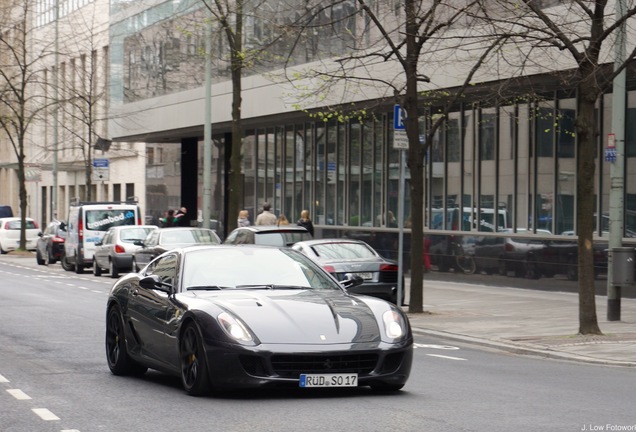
168,220
243,218
305,221
180,217
426,254
266,217
282,220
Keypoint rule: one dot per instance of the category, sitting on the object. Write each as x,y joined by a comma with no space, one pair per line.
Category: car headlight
235,328
394,325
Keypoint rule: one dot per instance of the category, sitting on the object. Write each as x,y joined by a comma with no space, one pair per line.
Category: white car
10,234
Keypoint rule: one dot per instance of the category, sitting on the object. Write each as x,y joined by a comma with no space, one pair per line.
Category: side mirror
98,243
139,243
62,226
40,234
154,282
351,280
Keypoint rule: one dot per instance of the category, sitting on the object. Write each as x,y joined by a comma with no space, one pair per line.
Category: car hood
302,317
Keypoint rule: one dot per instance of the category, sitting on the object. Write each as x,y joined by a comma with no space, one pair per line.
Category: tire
194,369
114,271
97,270
466,264
117,356
38,257
79,269
65,264
49,257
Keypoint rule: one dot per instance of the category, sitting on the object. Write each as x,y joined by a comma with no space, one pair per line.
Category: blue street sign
399,115
100,163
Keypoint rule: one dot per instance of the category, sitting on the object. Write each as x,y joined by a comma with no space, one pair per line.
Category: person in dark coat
181,218
305,221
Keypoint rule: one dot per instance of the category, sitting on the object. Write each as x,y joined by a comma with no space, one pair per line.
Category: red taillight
57,239
119,249
80,230
509,248
330,269
388,267
35,224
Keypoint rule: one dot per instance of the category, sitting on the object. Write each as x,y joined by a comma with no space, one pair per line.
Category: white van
87,224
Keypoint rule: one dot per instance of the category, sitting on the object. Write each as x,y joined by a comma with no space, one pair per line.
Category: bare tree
22,83
575,40
403,37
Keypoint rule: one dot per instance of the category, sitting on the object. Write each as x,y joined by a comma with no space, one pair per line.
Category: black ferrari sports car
226,316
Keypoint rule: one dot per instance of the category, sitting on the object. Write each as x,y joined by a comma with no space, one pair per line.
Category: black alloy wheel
117,356
194,370
65,264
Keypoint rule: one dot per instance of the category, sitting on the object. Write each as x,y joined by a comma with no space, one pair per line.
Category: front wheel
97,270
194,369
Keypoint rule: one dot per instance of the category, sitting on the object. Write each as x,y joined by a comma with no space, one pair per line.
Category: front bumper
281,366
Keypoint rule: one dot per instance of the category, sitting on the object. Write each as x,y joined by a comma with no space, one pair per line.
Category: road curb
521,349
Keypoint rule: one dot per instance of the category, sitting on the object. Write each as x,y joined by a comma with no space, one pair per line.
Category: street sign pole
400,141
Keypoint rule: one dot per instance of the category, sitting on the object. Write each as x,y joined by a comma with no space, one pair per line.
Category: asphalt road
54,377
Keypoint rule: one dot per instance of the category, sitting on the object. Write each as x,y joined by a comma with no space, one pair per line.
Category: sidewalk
525,321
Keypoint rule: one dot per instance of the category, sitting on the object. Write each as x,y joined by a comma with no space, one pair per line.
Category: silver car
115,252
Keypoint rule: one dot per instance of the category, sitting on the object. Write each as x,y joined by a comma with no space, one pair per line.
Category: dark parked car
164,239
341,257
270,235
252,316
561,257
115,251
49,247
507,254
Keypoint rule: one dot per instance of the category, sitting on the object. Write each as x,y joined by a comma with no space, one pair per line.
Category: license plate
328,380
365,275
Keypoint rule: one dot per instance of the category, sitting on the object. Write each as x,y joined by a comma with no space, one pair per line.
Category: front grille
290,366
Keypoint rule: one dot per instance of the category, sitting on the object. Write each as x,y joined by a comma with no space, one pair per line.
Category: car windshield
189,237
281,238
252,267
343,251
132,234
101,220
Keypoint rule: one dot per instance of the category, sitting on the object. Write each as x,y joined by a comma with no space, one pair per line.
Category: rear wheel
466,264
65,264
114,271
117,356
194,370
79,269
97,270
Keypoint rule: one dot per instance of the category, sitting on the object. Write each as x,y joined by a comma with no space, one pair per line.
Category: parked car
342,257
49,247
87,224
10,234
114,252
561,257
164,239
224,317
506,254
6,211
270,235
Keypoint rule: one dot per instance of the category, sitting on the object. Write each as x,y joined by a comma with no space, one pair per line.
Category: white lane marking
446,357
3,379
45,414
70,430
442,347
18,394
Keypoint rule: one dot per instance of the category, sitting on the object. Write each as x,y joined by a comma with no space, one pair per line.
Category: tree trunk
587,96
415,160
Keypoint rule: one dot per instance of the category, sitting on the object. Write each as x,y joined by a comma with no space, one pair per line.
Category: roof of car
331,240
274,228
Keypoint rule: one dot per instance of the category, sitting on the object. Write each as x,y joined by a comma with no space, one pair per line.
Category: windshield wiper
204,288
270,287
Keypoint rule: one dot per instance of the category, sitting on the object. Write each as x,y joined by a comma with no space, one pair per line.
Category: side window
165,268
231,239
